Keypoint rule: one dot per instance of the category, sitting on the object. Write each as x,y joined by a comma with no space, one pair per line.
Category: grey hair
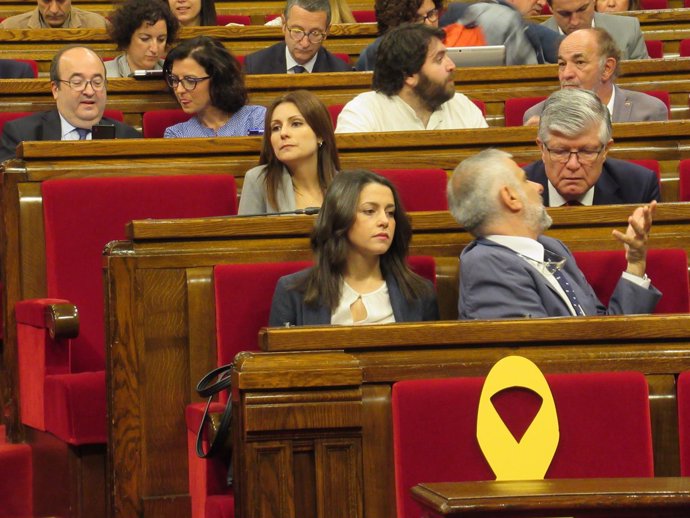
313,6
607,49
571,112
472,193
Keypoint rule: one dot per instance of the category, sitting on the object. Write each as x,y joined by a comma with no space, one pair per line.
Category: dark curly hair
402,53
132,14
227,79
330,242
391,13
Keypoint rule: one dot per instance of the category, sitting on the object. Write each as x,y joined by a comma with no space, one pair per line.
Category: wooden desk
325,416
620,497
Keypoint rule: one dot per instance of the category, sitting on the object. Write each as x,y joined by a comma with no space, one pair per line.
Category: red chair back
224,19
114,114
155,122
9,116
32,63
684,180
481,105
419,189
655,48
667,268
653,5
603,419
684,48
82,215
368,16
334,110
341,55
514,109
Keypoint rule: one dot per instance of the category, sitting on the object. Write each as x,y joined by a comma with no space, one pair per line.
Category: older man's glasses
188,82
430,16
79,84
584,156
298,35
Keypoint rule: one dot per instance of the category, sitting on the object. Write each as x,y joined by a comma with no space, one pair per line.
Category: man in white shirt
572,15
414,88
590,59
511,270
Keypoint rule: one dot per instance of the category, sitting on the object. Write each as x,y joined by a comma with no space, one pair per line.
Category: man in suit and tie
574,138
305,25
590,59
572,15
78,83
511,270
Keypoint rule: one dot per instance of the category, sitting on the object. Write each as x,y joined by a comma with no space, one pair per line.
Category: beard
433,94
537,218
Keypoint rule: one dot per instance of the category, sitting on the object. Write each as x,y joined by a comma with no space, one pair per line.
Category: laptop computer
485,56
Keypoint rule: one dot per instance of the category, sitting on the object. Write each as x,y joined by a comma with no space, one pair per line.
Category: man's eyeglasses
188,82
431,16
79,84
298,35
584,156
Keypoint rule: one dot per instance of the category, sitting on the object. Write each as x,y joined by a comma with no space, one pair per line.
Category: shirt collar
66,129
556,200
611,101
526,246
290,61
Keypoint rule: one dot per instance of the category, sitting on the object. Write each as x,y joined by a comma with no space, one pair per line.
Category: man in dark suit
574,138
11,69
305,25
590,59
511,270
78,83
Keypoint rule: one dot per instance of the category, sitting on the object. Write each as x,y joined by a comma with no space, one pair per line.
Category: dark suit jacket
271,60
45,126
497,283
11,69
620,182
288,305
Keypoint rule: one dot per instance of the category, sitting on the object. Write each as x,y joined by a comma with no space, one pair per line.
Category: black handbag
219,433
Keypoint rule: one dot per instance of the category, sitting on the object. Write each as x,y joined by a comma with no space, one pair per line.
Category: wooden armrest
62,320
557,497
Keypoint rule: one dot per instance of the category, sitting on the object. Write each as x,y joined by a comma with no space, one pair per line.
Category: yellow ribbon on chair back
509,459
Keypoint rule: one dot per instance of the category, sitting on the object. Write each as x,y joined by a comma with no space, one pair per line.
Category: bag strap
206,388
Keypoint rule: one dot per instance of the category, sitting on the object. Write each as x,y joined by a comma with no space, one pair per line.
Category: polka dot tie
568,289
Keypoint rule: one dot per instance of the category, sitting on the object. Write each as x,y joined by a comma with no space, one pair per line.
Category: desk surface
663,496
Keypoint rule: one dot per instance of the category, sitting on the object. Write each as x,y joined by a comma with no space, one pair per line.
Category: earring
320,143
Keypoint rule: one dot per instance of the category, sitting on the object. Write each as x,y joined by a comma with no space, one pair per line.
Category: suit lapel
51,128
606,191
622,107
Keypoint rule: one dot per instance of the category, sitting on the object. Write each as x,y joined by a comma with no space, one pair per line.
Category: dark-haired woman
194,13
143,29
298,157
208,82
360,243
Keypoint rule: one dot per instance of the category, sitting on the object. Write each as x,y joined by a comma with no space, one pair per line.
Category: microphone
309,211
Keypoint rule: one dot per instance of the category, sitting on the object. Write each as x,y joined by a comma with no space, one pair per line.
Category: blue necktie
299,69
568,289
83,133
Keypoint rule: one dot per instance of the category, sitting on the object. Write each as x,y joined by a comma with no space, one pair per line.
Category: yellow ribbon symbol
509,459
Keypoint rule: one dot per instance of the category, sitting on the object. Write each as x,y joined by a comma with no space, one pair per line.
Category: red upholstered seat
155,122
684,179
62,382
655,48
244,293
334,110
603,419
514,109
224,19
684,48
419,189
32,63
667,268
368,16
342,55
481,105
653,5
663,97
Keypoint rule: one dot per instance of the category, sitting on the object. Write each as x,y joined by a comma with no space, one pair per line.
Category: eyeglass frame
586,161
171,78
87,82
431,15
324,34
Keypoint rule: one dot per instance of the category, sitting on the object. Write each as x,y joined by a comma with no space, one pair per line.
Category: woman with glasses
360,275
298,157
391,13
194,13
143,29
208,83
